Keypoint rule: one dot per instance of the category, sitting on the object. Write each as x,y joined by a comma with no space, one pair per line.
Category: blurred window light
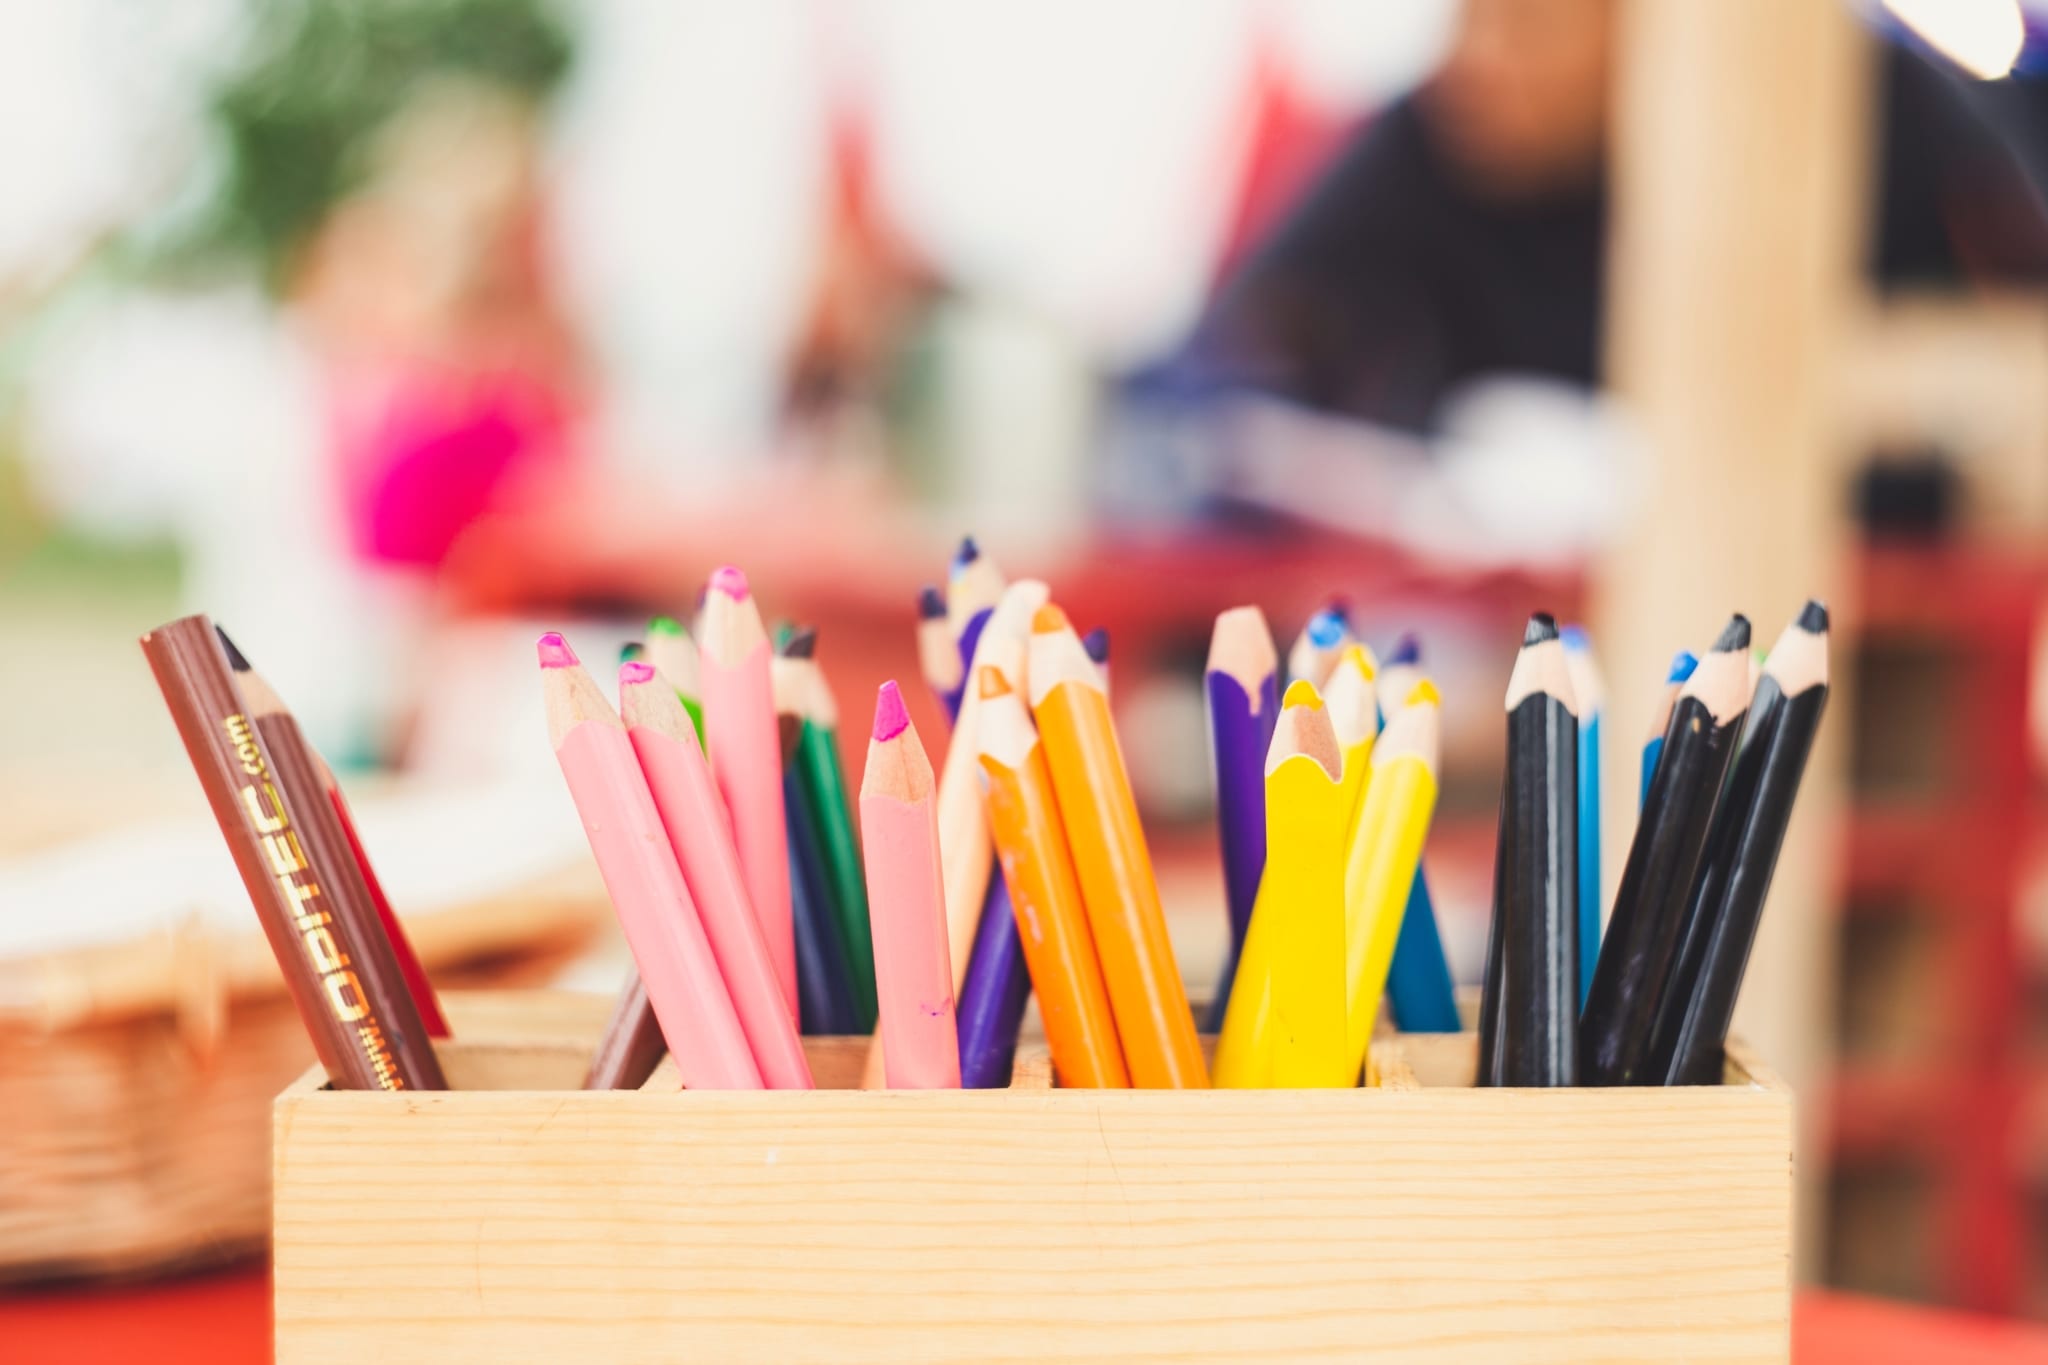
1983,37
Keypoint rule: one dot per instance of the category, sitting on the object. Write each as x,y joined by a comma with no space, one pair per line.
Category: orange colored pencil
1059,950
1113,865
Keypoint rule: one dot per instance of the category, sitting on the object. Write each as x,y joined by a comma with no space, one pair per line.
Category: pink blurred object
424,451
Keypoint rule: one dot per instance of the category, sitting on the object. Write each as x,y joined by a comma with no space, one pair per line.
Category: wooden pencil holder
1418,1220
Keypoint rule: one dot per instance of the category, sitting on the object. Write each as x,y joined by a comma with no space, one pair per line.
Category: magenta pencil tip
635,672
730,581
892,718
555,651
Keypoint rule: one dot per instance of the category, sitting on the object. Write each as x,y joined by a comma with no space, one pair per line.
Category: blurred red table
224,1319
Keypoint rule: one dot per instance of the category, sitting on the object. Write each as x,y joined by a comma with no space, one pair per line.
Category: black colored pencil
1649,909
1727,900
1531,994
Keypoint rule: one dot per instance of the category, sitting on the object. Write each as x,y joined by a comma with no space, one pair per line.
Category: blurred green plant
315,84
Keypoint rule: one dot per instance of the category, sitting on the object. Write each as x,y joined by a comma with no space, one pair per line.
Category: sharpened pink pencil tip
892,718
555,651
635,671
731,581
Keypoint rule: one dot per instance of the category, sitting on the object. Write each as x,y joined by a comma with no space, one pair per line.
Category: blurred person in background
1461,234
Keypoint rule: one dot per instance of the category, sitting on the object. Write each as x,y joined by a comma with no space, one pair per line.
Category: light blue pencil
1419,988
1591,698
1682,665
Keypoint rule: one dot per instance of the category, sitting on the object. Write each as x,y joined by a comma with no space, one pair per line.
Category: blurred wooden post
1740,140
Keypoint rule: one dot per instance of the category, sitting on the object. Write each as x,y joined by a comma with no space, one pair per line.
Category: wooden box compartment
1419,1220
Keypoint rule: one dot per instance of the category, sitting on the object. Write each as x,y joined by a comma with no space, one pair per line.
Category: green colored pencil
671,650
822,781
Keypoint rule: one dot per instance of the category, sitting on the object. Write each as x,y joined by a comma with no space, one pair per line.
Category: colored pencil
686,800
1096,644
966,855
746,758
1591,697
1354,710
913,970
1384,850
631,1045
669,648
1314,652
824,972
281,730
1420,992
633,652
360,931
964,846
1031,845
643,878
995,985
938,657
831,817
1649,908
1727,899
1307,821
1111,859
1243,687
1530,999
368,1037
1682,665
973,587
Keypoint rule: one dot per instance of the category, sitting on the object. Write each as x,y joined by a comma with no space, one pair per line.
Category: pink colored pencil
643,879
746,758
907,904
688,804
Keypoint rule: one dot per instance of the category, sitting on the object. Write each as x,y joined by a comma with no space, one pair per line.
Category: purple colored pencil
990,1008
1244,701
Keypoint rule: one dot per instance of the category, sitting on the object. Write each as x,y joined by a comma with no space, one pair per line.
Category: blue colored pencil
1419,983
1419,987
1682,665
1587,691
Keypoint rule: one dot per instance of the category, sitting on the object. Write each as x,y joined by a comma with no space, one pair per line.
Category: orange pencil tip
992,682
1049,620
1302,692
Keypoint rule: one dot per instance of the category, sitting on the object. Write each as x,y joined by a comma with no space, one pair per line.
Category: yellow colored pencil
1285,1022
1355,717
1386,846
1306,821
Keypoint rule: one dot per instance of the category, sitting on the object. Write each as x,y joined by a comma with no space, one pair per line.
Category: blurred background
392,332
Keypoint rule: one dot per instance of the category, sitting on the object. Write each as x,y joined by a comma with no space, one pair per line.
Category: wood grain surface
1424,1221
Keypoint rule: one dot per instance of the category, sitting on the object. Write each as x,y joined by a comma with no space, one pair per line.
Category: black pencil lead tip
1733,636
803,643
1542,626
235,659
931,603
1813,617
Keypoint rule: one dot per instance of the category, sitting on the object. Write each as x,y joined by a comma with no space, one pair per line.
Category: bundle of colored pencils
1651,1002
1324,798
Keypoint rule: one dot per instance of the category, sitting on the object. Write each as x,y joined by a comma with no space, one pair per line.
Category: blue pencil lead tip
1682,665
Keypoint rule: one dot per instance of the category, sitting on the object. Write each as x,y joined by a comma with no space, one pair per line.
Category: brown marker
301,877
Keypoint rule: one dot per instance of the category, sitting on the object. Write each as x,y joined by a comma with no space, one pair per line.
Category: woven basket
136,1081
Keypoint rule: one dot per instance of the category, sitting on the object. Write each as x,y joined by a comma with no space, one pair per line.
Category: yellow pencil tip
1424,692
1049,620
1361,658
1302,692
